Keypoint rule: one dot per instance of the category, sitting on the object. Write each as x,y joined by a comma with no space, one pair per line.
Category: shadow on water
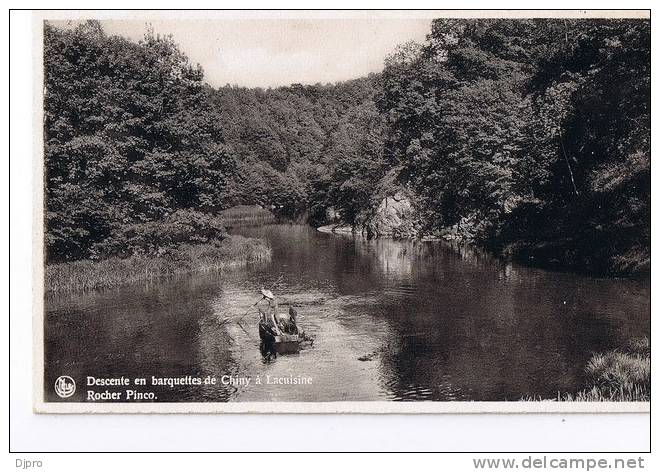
393,320
161,330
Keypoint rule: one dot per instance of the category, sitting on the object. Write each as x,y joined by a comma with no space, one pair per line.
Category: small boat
281,343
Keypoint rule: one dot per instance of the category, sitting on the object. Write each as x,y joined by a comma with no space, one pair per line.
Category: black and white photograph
367,212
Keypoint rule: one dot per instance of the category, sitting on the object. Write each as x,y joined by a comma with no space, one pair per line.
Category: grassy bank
87,274
246,215
618,375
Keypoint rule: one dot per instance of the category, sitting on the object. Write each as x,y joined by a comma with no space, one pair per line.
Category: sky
274,52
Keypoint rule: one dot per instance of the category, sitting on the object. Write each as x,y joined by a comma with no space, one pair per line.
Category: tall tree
129,138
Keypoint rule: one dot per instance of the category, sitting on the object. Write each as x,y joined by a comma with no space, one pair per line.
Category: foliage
115,271
159,237
537,130
617,375
130,138
530,137
304,148
246,215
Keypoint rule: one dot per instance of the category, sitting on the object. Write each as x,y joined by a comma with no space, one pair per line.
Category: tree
522,130
130,138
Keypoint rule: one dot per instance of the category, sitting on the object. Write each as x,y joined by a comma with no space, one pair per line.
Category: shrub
162,236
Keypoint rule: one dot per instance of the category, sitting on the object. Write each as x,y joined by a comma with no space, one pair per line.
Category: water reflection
392,320
142,331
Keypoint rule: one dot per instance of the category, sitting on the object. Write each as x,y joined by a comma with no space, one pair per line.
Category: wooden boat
281,343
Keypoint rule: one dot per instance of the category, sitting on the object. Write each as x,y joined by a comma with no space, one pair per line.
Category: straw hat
267,294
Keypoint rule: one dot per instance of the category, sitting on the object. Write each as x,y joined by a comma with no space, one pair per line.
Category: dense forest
303,149
528,137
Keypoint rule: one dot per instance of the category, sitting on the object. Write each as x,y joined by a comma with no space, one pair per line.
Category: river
392,320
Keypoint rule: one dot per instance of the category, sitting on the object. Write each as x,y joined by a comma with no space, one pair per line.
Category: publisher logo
65,386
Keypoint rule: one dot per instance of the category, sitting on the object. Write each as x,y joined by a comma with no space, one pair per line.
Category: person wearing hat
270,314
267,307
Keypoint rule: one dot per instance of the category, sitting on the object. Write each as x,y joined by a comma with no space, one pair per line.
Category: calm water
392,321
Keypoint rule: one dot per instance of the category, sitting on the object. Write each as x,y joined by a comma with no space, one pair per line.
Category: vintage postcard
342,211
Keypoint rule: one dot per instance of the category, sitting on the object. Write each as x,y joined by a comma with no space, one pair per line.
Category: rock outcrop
394,217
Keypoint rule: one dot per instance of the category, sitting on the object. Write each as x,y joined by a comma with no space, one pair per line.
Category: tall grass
88,275
618,375
246,215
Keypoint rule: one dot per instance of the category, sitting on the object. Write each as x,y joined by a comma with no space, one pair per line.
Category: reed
246,215
621,375
89,275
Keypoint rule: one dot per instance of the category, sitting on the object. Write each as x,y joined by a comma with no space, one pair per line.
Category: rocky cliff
394,217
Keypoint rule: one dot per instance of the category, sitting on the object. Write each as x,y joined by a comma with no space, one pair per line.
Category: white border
375,407
40,15
366,407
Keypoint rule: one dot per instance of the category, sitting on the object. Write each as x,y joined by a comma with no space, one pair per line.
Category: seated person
288,323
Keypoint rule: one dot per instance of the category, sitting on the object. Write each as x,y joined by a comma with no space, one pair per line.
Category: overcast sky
269,52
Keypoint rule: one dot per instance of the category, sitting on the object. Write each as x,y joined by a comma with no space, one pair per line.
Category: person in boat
288,324
270,315
267,307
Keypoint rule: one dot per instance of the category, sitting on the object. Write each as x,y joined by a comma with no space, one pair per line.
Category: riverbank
246,215
621,375
631,264
336,229
88,274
